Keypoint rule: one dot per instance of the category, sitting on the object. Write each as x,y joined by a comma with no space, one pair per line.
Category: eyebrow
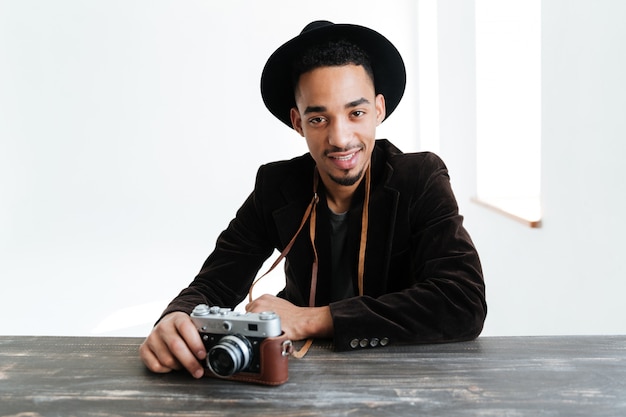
357,103
314,109
319,109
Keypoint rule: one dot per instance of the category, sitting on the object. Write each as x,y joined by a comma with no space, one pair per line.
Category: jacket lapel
382,219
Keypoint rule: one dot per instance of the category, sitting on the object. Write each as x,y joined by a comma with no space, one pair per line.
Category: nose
339,133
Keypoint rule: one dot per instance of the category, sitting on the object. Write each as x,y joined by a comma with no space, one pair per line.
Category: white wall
568,277
130,132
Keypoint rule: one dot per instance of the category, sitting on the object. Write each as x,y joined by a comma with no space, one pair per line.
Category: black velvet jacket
423,280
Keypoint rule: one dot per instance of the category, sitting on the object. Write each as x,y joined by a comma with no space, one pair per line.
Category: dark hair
332,53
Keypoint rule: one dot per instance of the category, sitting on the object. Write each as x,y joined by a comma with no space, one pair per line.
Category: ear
296,120
381,110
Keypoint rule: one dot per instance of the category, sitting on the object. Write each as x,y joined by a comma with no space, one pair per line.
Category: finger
180,350
157,359
264,302
255,305
189,333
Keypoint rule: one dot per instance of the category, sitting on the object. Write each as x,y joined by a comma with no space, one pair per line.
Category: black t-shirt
341,278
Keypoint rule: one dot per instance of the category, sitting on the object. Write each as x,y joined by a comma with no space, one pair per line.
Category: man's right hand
174,344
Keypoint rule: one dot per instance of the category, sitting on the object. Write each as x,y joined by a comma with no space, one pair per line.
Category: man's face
337,113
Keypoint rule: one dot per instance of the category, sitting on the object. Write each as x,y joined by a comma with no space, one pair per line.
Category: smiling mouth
343,154
344,157
345,160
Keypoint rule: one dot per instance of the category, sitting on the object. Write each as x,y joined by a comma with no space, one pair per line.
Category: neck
339,200
339,197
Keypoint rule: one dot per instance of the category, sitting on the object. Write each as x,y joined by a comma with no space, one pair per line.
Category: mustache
335,149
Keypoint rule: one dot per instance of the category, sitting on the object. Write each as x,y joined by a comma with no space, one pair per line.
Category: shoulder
420,180
298,163
284,181
287,171
406,166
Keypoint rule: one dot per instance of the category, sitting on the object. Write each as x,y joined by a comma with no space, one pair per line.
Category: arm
434,285
224,280
174,342
228,272
250,238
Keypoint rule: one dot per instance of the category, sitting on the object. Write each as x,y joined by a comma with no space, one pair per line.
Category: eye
316,120
358,113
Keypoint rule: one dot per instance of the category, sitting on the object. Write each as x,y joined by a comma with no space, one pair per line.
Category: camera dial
267,315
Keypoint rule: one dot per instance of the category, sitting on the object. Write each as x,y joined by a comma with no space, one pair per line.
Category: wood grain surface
491,376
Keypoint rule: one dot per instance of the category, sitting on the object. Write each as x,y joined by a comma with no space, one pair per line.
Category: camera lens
230,355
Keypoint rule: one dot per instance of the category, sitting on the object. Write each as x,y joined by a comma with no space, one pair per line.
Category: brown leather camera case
274,364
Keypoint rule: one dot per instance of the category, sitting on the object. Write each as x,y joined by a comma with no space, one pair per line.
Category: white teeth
344,158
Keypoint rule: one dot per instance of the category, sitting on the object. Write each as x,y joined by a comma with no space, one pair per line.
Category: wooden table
492,376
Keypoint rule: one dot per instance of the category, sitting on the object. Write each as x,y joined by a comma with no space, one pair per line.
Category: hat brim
387,65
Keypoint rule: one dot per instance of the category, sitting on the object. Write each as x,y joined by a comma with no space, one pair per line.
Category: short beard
347,181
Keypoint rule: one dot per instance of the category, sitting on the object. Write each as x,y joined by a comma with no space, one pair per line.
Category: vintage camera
248,347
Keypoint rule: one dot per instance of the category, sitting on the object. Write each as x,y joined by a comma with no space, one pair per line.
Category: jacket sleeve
442,295
228,272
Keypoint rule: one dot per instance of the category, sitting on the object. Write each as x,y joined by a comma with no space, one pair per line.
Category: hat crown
316,25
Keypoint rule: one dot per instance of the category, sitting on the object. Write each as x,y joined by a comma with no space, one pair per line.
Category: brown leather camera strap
311,213
364,223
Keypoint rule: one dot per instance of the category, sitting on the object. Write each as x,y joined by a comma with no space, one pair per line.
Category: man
376,252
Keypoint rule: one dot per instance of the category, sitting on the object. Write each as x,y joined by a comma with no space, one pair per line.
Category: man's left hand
297,322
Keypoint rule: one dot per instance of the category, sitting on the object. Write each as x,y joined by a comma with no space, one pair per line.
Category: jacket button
374,342
364,343
384,341
354,343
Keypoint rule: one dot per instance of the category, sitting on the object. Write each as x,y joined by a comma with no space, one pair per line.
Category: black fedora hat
387,64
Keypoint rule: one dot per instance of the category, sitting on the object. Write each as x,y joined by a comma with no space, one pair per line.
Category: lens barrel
232,354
